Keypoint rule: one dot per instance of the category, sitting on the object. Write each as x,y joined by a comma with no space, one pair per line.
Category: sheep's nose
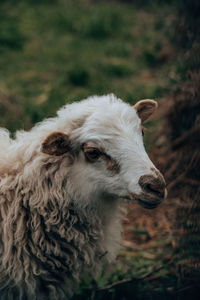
155,186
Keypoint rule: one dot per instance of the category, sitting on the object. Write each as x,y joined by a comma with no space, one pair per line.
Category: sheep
62,186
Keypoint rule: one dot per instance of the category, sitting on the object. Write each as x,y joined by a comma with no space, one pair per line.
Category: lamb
62,186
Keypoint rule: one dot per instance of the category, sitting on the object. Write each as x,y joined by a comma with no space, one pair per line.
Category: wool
60,216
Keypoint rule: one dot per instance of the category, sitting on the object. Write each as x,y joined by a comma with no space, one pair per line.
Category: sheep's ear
56,143
145,108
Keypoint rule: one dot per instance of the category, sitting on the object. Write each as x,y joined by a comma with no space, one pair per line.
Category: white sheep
61,191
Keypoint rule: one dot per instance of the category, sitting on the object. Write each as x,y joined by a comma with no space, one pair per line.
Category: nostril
152,185
151,188
154,189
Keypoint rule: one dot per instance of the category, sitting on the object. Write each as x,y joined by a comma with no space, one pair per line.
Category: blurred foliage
184,127
132,271
57,52
11,36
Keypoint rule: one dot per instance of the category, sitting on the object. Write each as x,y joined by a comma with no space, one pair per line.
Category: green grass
143,274
56,52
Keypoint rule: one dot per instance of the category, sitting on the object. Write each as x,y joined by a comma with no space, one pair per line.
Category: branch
117,283
107,287
189,137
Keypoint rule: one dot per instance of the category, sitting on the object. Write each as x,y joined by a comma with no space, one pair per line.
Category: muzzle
153,190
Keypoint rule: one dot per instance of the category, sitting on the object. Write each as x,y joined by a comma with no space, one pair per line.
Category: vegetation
57,52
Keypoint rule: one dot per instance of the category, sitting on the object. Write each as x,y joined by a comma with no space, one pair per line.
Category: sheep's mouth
148,205
147,200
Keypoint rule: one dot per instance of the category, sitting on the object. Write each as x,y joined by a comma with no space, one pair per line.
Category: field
56,52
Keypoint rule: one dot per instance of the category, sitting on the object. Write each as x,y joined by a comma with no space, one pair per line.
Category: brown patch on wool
111,164
93,153
145,108
56,143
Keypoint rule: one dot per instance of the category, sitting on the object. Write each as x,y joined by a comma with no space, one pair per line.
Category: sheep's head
109,156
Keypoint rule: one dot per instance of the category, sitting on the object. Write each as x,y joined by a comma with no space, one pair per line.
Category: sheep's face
110,160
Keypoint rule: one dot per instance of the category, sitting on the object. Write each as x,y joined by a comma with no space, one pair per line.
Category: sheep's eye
94,154
91,153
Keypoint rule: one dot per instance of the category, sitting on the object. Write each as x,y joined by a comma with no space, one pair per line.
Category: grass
56,52
144,274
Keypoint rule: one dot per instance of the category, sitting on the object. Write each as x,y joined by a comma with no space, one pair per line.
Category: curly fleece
46,239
